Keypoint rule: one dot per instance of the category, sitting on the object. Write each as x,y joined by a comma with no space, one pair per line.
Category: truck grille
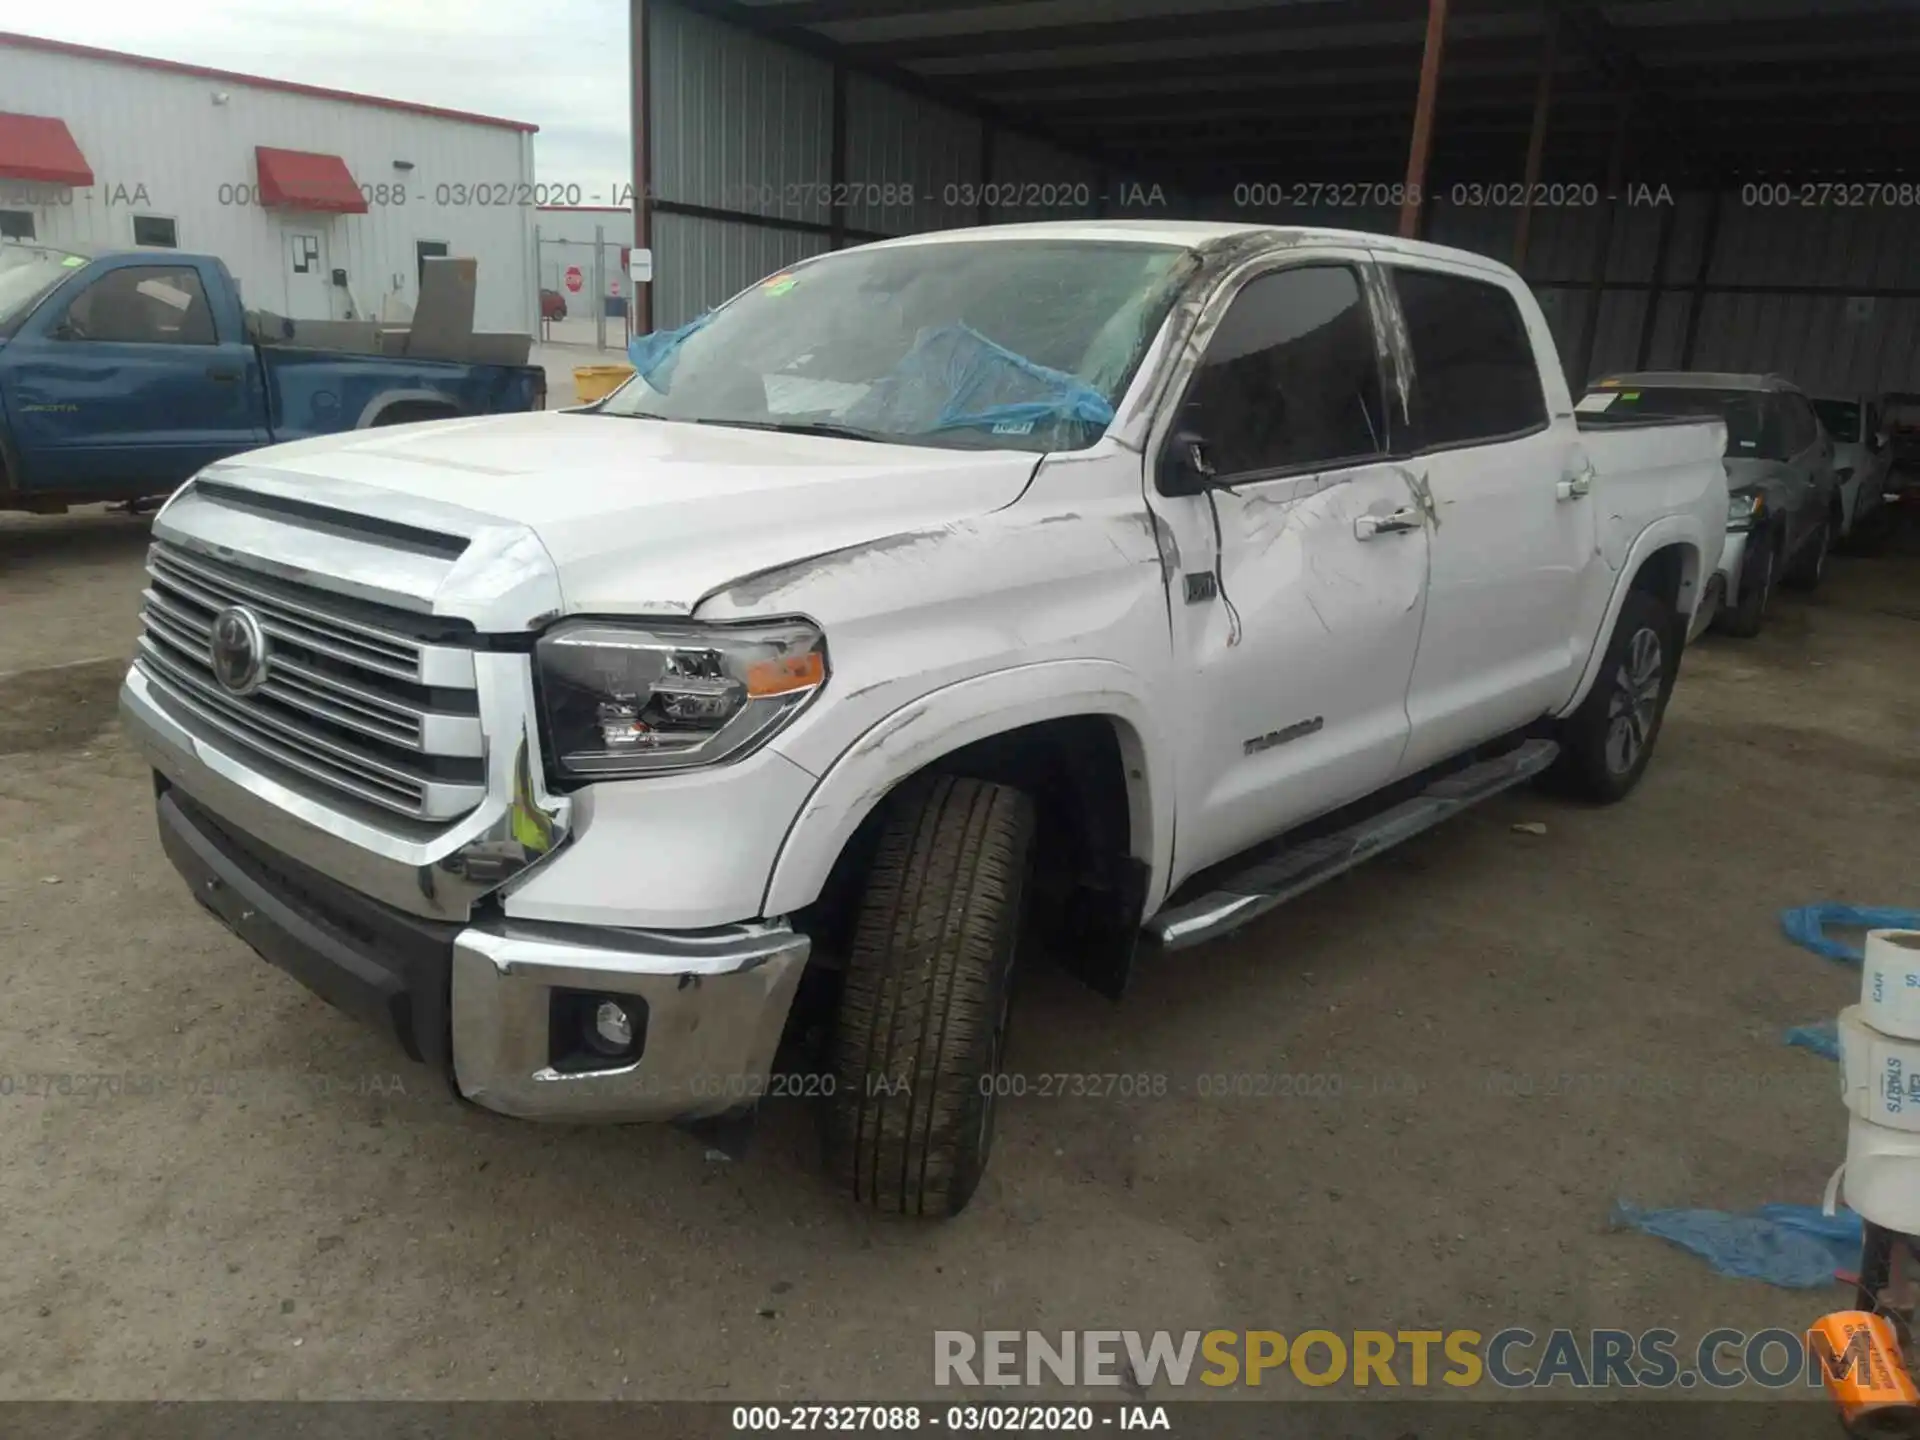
349,704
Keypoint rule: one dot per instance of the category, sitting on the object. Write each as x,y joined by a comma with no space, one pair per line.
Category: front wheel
923,1006
1605,744
1745,617
1811,568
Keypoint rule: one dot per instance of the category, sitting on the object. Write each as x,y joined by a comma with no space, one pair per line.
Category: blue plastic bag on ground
1822,1038
1805,925
1796,1247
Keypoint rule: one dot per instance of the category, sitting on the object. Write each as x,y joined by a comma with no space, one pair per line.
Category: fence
572,273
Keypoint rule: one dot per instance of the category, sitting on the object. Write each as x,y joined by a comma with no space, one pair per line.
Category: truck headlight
1745,509
633,700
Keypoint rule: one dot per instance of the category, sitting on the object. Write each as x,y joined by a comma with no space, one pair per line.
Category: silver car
1783,508
1861,455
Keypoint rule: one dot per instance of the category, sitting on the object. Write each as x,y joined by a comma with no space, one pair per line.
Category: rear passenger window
1475,377
1291,379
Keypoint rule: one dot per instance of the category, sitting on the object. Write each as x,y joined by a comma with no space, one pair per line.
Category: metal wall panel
739,123
911,164
1041,181
698,262
161,143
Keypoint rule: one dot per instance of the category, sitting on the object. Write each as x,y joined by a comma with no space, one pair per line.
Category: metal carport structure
1723,183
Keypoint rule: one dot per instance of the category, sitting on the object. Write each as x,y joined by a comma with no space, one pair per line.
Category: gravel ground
1520,1028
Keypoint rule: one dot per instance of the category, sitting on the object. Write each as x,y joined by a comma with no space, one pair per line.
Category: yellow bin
596,382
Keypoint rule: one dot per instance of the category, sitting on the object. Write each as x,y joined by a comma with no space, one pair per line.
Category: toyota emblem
237,649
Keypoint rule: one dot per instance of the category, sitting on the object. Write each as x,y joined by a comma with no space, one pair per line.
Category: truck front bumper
502,1006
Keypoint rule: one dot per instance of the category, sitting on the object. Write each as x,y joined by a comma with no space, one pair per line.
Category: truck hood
638,516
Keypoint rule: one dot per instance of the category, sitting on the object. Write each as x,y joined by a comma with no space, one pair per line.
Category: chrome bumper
503,1006
712,1004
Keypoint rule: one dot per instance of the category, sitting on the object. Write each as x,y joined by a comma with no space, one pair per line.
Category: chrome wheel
1634,706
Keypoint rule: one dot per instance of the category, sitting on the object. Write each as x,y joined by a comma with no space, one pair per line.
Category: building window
156,230
16,225
425,250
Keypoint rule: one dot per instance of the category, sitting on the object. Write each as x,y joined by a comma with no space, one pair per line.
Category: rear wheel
1745,617
924,1000
1605,744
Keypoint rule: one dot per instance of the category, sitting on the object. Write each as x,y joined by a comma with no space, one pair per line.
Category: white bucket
1883,1175
1880,1075
1890,983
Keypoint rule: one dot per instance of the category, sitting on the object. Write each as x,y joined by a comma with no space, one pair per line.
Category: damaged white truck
1084,581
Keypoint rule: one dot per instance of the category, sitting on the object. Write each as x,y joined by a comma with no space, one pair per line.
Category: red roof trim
307,180
292,87
41,148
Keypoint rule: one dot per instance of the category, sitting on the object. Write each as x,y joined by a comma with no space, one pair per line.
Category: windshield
1013,344
1841,417
27,272
1743,410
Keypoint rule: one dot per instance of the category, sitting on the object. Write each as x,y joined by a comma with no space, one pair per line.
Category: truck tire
1808,570
1605,744
1757,575
923,1003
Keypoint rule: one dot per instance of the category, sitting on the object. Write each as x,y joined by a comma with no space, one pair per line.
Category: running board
1247,894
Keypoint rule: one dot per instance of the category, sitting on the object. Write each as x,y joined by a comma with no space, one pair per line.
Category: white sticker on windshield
1593,404
1013,427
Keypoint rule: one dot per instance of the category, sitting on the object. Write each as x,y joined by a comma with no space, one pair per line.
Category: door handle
221,373
1574,486
1365,527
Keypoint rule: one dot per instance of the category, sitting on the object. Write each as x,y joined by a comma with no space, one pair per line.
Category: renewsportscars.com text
1510,1359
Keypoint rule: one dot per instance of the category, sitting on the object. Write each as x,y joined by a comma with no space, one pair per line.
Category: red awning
40,147
303,180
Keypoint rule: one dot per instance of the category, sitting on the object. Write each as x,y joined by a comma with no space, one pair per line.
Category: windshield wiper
806,427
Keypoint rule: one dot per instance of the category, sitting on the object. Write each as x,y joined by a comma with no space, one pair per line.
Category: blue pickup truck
121,374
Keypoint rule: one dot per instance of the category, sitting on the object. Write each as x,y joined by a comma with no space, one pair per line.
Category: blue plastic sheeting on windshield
1805,925
1823,1039
650,353
954,378
1796,1247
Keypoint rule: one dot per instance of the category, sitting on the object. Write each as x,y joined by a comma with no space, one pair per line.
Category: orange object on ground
1863,1371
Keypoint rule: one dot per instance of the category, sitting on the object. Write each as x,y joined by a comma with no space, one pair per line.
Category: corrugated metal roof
1244,87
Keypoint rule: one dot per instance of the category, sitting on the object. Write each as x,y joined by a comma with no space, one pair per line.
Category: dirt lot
292,1209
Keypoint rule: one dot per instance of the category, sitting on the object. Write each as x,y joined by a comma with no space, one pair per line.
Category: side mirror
63,331
1185,468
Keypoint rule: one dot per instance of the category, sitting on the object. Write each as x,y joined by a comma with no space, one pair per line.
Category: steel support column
1422,141
641,300
1697,302
1603,251
1536,140
837,161
1650,317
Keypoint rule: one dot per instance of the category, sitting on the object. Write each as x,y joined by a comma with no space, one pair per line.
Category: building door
309,286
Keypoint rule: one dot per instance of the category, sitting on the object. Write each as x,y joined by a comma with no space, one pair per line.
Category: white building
322,203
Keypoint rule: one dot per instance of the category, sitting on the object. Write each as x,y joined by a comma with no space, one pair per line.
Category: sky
558,64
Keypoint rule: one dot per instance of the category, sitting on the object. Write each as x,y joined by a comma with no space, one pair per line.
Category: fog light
613,1027
589,1030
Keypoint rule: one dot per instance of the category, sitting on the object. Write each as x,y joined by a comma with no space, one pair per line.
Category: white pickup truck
1087,581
